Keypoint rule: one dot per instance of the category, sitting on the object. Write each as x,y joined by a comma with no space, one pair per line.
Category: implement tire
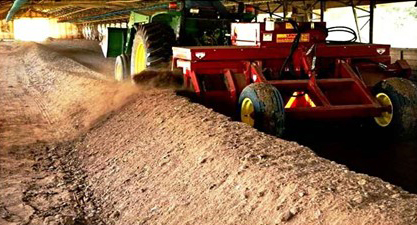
152,46
261,106
401,95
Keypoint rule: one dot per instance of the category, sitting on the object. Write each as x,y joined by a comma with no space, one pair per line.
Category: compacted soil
45,97
76,148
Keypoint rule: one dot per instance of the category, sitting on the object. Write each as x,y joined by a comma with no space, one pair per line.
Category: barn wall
6,30
409,54
63,30
56,30
98,30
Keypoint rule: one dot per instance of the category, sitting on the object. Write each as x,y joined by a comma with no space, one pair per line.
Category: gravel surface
76,148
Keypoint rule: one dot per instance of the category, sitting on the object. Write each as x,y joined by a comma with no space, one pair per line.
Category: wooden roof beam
75,12
126,17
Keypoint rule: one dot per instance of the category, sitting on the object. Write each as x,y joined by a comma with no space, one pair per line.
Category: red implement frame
327,79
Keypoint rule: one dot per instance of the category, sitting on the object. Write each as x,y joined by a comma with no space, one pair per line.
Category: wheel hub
140,58
247,111
386,117
119,72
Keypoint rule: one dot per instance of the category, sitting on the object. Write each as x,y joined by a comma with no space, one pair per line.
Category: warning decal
289,26
288,38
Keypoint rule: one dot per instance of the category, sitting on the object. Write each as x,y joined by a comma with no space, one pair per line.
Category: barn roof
82,11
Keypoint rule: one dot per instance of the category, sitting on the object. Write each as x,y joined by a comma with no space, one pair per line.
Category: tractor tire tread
157,39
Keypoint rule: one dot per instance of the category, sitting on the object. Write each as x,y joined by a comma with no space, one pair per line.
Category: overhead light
194,11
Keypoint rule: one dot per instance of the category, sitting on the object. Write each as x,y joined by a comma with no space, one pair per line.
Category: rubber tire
403,95
124,61
158,40
268,105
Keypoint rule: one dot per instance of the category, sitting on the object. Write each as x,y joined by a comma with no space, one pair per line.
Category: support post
356,20
322,9
285,8
371,21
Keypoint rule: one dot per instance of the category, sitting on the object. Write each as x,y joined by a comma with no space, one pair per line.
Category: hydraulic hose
342,29
294,47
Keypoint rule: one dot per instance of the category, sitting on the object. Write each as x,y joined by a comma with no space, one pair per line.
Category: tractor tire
261,106
121,68
152,46
401,95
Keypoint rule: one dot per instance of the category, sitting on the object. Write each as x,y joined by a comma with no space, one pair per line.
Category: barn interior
154,112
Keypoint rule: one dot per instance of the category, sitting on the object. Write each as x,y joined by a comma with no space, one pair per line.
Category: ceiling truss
93,11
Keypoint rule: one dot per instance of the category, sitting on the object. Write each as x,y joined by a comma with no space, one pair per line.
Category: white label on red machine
181,53
270,24
267,37
246,34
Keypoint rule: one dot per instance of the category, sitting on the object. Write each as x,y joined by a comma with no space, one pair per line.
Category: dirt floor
45,97
76,148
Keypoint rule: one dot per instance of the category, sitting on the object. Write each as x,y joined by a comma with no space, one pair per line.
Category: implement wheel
261,106
121,68
152,46
400,95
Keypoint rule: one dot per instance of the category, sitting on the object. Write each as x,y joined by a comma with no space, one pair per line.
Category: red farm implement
283,70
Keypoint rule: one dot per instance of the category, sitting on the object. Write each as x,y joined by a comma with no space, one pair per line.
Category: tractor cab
216,10
203,23
205,9
149,39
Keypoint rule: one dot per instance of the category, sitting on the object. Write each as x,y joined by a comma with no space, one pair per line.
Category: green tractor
148,40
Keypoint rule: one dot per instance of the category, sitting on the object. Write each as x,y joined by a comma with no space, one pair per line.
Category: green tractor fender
170,18
119,40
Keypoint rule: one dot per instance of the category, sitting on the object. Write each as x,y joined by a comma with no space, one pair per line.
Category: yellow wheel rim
247,112
386,117
140,58
119,72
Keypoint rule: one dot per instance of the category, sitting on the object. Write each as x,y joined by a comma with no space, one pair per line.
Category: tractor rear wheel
121,68
261,106
401,96
152,46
